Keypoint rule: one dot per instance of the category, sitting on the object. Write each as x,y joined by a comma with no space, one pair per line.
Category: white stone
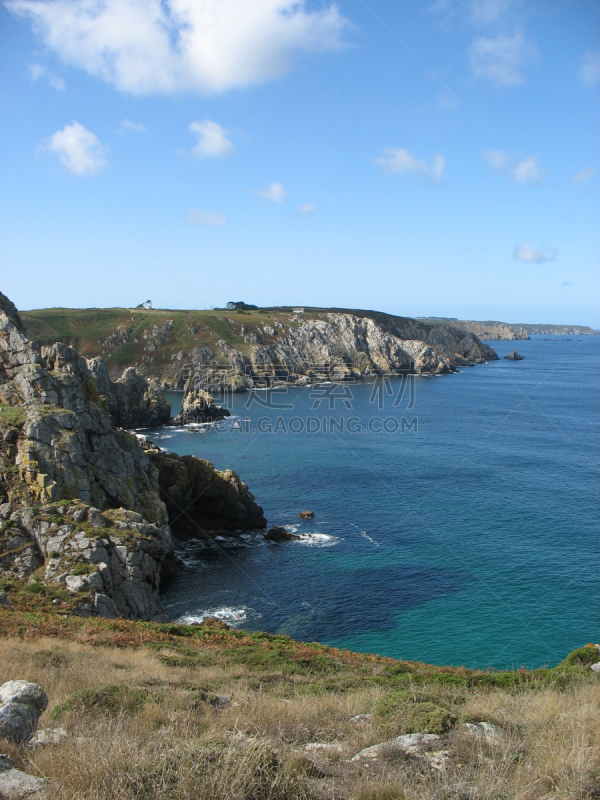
21,705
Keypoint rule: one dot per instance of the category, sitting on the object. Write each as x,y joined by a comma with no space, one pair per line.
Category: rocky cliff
133,401
241,348
80,500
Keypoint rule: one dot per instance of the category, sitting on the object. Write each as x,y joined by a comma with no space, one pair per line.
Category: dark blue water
474,540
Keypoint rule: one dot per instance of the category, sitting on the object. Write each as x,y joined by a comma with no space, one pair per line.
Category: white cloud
166,46
501,59
274,192
584,175
307,208
590,67
133,127
212,140
78,149
399,160
206,219
527,171
484,12
41,71
496,160
525,252
441,5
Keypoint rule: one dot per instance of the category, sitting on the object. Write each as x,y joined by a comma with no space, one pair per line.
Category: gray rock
5,510
279,534
323,747
411,743
4,601
220,701
485,730
48,736
15,784
5,762
514,356
361,718
596,666
80,514
95,518
21,705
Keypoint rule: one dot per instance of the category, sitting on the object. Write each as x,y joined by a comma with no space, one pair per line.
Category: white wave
232,616
366,535
318,539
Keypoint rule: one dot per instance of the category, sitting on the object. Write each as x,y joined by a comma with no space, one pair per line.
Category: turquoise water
474,540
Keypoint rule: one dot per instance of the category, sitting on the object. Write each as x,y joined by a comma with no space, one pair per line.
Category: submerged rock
21,706
514,356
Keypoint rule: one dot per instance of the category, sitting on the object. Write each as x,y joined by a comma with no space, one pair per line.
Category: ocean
456,518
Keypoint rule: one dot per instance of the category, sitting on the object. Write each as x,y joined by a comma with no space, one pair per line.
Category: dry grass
154,733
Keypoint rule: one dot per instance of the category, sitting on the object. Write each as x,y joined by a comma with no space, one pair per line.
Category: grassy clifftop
203,711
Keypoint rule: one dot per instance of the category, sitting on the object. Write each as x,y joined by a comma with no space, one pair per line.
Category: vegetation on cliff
179,712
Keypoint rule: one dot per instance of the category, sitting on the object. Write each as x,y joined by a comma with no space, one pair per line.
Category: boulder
48,736
485,730
596,667
279,534
15,784
21,705
220,701
514,356
4,601
410,743
306,514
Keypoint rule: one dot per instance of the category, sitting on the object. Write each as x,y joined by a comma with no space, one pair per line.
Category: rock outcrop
133,402
202,501
107,564
198,405
83,517
514,356
279,534
21,706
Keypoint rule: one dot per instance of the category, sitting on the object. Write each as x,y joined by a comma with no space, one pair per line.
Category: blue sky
417,158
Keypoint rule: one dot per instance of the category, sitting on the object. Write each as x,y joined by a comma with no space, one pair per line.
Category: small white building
298,310
147,305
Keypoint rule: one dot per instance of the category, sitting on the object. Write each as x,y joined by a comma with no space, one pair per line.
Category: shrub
428,717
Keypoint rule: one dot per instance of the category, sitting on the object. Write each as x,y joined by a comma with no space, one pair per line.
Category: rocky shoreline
85,509
90,513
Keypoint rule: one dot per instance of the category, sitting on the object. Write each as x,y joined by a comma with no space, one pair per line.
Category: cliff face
240,348
80,502
133,402
339,346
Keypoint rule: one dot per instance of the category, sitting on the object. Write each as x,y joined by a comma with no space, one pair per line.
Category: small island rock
514,356
279,534
306,514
